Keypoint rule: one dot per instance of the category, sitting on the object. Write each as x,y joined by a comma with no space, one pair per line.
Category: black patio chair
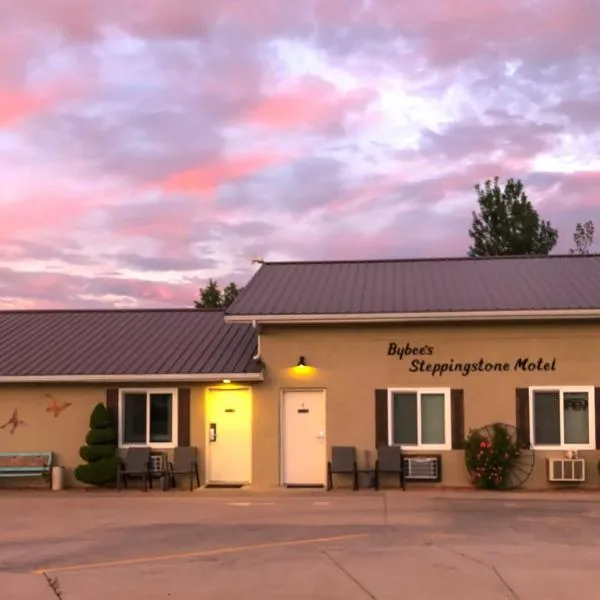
343,462
135,464
184,463
389,461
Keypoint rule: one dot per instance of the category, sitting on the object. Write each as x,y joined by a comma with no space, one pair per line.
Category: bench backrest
25,461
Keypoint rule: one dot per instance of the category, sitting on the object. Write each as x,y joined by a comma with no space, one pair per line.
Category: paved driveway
342,545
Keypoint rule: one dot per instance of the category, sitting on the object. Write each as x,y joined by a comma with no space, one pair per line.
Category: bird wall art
54,407
14,422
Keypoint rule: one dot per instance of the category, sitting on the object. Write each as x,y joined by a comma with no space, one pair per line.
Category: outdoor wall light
301,362
226,380
302,368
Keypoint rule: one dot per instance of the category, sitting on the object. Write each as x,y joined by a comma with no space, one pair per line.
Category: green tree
230,293
100,453
583,238
507,223
211,296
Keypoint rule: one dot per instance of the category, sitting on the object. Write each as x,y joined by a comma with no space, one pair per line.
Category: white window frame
447,418
561,389
174,417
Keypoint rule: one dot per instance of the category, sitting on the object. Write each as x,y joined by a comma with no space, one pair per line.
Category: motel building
314,355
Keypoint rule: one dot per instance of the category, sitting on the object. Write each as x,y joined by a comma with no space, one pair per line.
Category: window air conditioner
566,469
422,468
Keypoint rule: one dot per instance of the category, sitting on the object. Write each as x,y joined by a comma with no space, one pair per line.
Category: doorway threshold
306,486
229,486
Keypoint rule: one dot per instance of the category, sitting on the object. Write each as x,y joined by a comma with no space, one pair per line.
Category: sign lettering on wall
420,363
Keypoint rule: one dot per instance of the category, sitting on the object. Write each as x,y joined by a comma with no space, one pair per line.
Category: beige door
304,448
229,435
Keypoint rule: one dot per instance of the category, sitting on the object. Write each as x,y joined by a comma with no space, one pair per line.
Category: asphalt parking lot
419,545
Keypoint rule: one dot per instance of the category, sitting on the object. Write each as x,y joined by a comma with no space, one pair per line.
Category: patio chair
343,462
184,463
135,464
389,461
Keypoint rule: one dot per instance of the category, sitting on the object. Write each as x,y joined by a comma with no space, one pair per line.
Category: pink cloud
369,192
403,187
569,191
38,214
207,177
17,104
41,289
83,20
140,135
310,101
404,240
441,27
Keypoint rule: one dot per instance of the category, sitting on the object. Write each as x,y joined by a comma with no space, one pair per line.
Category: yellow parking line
214,552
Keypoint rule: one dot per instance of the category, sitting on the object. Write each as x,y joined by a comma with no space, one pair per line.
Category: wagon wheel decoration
496,458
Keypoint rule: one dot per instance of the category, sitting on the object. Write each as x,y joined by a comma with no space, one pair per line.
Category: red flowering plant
490,456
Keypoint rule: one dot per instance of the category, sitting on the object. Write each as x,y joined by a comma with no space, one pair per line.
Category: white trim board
419,317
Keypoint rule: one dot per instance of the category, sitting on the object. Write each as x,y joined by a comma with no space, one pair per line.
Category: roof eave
134,378
419,317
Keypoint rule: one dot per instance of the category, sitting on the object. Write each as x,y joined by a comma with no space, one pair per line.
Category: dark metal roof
123,342
422,285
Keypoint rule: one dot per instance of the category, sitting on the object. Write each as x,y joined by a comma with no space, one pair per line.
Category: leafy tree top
583,238
507,223
212,296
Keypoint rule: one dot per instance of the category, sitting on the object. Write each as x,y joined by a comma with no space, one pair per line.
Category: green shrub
100,454
99,473
101,437
95,453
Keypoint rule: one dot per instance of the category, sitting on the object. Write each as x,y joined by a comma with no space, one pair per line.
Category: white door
229,436
304,447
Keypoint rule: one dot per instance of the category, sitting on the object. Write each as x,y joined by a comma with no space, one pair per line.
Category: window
148,418
420,418
562,417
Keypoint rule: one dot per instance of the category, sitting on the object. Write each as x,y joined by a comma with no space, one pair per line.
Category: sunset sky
147,146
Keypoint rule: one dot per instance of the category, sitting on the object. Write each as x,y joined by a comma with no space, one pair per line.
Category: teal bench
26,464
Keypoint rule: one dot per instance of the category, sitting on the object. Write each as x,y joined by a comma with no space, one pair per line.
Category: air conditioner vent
566,469
423,468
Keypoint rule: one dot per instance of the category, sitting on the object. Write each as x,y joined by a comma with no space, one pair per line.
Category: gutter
126,378
418,317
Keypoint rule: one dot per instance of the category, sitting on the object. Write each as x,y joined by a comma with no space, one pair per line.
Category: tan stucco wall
65,434
42,431
351,362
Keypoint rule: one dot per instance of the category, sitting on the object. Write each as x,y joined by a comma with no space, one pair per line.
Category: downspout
257,357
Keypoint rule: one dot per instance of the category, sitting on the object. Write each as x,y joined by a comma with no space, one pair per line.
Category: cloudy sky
148,145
